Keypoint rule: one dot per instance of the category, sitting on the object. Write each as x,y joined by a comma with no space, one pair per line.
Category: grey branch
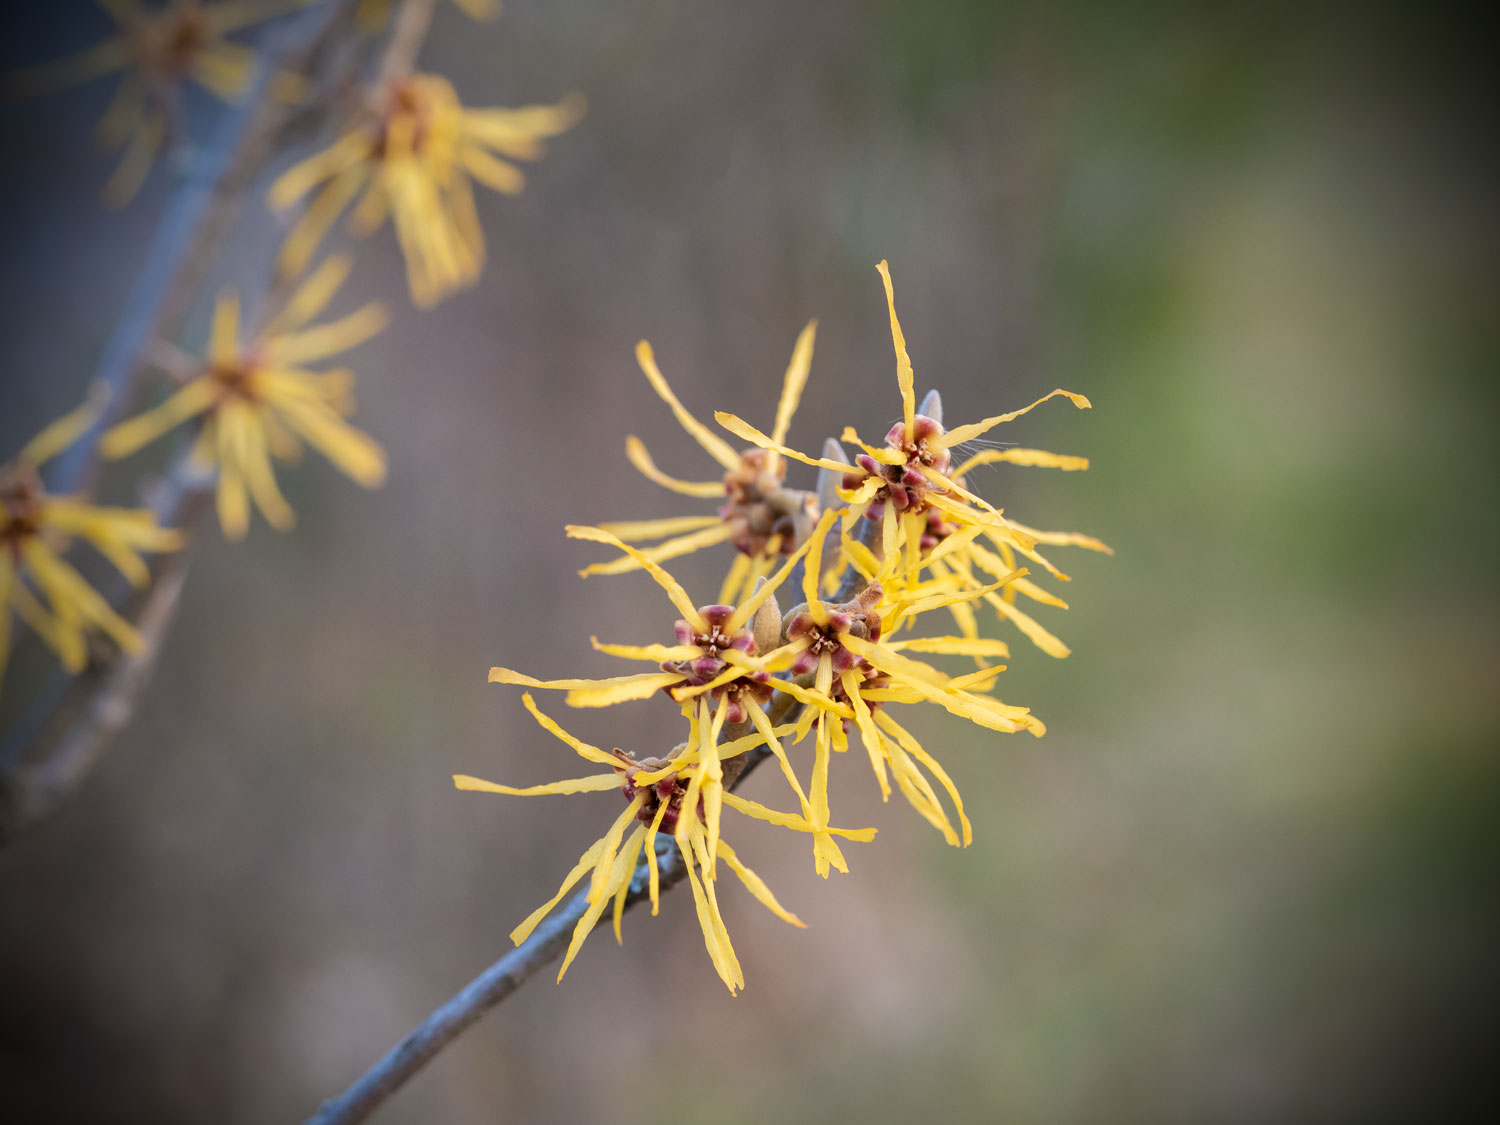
545,945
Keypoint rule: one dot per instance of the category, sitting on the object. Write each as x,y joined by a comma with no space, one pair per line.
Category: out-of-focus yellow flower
261,401
761,517
159,48
923,506
413,155
670,800
36,528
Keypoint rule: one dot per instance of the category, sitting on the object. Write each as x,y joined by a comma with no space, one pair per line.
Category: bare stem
95,705
545,945
412,22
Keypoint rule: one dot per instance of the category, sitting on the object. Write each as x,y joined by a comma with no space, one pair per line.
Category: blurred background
1242,877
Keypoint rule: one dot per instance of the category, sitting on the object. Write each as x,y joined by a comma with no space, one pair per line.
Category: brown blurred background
1240,880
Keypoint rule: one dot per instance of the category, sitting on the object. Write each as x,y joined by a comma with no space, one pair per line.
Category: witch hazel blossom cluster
863,558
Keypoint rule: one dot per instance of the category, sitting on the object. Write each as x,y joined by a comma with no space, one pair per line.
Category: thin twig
412,22
98,703
546,943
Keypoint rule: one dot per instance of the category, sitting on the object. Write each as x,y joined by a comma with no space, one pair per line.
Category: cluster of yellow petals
158,48
785,511
413,157
36,581
827,669
260,401
982,545
613,861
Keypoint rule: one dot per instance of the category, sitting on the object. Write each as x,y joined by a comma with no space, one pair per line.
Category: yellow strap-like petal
301,178
585,862
757,887
65,431
758,811
599,886
596,783
671,549
260,478
746,610
734,581
885,456
310,344
629,854
224,337
618,873
306,235
868,733
70,595
1028,625
650,846
709,925
631,530
1038,458
889,661
1065,539
638,456
988,713
584,749
86,65
312,296
230,497
494,173
63,639
914,748
717,448
743,429
796,378
672,587
648,652
130,435
1036,593
145,142
57,436
956,646
713,789
904,378
961,434
353,451
812,697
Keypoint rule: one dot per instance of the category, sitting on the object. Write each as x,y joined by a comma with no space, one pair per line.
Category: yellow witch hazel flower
747,678
158,48
845,669
922,504
661,795
761,518
35,530
260,400
717,672
413,155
